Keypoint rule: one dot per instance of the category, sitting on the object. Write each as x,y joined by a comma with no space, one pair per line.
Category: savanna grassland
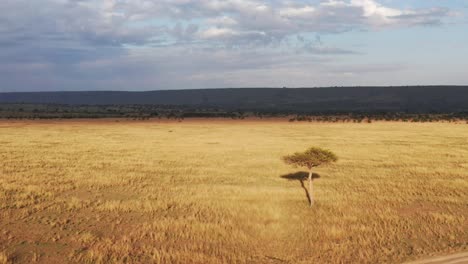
218,192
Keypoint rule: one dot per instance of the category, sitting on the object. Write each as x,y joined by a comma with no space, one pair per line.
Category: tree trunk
311,194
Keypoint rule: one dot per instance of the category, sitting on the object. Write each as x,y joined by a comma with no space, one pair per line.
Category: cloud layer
156,44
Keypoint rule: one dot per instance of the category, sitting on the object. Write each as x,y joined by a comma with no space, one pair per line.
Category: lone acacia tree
310,158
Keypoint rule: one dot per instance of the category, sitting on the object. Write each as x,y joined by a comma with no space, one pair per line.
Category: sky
135,45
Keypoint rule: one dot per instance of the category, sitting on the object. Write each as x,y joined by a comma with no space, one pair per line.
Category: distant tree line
140,112
180,112
385,116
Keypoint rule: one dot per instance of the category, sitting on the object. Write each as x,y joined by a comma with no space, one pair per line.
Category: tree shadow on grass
301,176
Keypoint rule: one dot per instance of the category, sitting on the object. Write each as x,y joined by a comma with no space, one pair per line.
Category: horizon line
234,88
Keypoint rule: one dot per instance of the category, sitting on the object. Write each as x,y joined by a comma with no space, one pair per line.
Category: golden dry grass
212,192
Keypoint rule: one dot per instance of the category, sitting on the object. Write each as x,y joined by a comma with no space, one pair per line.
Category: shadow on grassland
301,176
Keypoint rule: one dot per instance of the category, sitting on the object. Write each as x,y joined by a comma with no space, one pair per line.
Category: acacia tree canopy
310,158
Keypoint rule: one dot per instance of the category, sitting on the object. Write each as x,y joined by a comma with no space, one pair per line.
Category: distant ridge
401,98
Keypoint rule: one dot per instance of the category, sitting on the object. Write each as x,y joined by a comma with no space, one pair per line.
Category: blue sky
52,45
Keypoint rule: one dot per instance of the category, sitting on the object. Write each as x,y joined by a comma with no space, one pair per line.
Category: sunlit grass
212,192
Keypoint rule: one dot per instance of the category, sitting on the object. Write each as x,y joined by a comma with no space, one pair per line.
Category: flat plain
207,191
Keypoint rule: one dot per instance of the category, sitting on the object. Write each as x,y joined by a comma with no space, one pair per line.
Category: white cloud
133,21
291,12
87,42
222,21
217,33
